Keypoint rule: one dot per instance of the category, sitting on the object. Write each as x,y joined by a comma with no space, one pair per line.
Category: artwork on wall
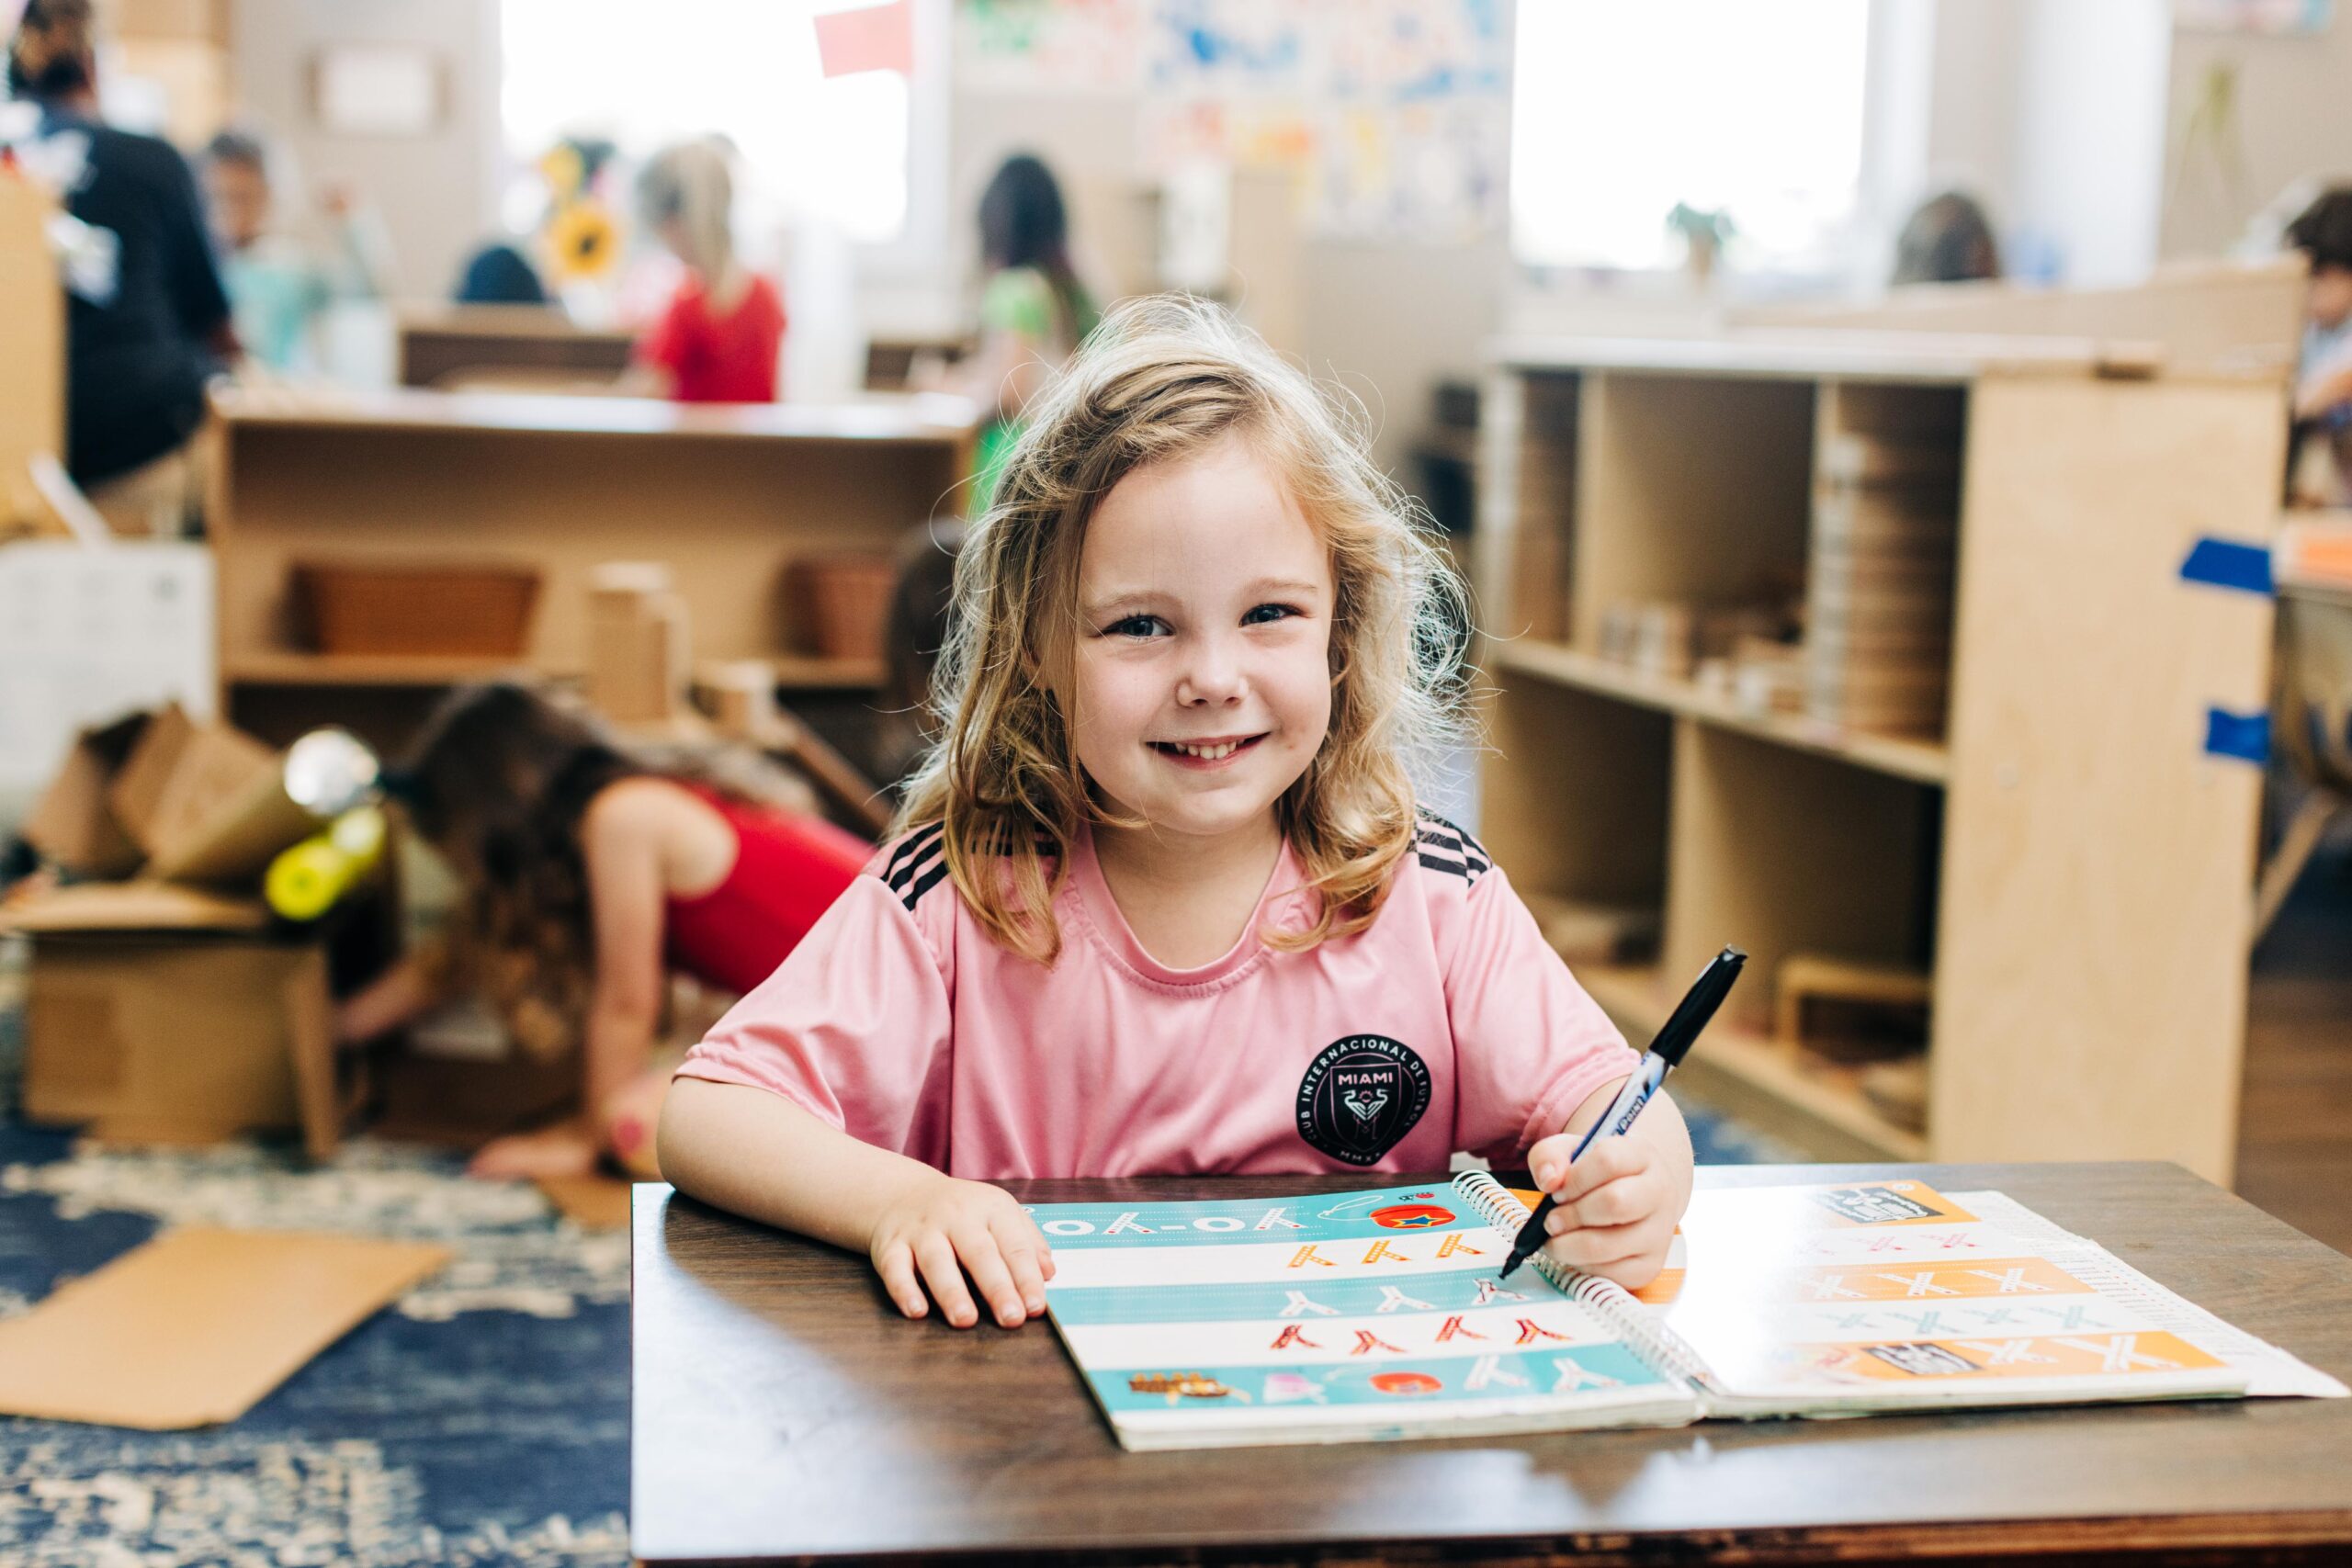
1393,114
1050,46
375,89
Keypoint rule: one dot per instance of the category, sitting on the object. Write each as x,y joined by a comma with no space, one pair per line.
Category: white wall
435,191
2294,122
2053,112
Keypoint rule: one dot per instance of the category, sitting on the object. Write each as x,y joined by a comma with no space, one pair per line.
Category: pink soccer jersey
1446,1024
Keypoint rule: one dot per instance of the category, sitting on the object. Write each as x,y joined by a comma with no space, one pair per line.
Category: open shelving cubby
1985,761
725,497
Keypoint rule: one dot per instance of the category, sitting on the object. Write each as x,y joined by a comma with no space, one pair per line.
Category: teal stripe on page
1330,1216
1394,1381
1452,1290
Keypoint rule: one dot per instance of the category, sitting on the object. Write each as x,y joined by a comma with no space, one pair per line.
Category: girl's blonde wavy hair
1164,379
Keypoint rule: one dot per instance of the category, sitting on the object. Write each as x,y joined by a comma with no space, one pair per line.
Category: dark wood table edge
2275,1540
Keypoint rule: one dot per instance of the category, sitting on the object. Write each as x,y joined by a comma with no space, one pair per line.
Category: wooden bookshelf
1750,1063
1924,761
1995,773
726,496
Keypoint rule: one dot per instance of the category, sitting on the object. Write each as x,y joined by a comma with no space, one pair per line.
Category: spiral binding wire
1611,1302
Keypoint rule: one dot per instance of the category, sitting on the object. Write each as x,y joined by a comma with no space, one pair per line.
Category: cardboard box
158,1012
637,644
74,823
206,802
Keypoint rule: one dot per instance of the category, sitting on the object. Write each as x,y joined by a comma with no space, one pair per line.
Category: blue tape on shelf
2245,735
2225,563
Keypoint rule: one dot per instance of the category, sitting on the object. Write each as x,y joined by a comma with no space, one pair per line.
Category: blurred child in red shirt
723,333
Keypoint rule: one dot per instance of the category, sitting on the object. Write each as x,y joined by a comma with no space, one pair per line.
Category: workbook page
1357,1315
1890,1294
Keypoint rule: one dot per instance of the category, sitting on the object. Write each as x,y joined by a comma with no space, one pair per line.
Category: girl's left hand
1617,1207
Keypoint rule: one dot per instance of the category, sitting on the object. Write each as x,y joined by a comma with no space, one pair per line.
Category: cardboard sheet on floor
197,1326
592,1202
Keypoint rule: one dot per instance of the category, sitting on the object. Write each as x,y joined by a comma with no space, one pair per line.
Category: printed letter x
1573,1377
2009,1280
1490,1369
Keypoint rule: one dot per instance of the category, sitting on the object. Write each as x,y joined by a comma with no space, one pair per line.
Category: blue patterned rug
482,1420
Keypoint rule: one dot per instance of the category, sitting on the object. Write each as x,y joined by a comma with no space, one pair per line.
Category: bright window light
1622,109
831,148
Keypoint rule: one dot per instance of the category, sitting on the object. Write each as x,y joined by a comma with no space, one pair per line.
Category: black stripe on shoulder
911,849
1442,846
1437,831
929,880
931,854
1439,863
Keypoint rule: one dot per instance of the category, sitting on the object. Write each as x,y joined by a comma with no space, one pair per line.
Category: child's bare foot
564,1148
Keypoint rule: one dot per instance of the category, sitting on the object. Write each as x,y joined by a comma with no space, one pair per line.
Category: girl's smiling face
1201,675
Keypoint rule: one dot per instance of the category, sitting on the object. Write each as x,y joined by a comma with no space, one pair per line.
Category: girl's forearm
759,1155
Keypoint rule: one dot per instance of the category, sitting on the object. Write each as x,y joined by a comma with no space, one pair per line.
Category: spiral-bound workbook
1380,1314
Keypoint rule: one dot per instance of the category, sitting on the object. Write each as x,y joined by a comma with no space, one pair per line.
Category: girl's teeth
1210,753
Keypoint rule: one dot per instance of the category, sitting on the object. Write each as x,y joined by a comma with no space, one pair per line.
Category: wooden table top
785,1412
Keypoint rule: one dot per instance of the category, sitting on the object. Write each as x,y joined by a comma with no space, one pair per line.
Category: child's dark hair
1947,240
1023,223
50,56
499,781
240,147
2323,229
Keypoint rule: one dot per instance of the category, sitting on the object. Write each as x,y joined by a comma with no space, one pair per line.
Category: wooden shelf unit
727,497
2061,854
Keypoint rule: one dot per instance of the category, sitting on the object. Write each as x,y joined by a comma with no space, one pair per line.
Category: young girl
1034,309
588,871
722,335
1167,905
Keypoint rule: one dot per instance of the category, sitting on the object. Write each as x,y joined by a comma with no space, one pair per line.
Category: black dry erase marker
1665,1053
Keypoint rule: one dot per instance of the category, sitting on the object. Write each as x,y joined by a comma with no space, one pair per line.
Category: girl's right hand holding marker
939,1229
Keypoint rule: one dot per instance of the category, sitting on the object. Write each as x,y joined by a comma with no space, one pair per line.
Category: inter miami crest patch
1361,1096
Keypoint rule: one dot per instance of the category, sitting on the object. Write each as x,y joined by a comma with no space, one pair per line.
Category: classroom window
835,150
1620,111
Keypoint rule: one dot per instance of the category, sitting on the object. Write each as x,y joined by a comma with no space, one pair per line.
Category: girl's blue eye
1264,614
1136,626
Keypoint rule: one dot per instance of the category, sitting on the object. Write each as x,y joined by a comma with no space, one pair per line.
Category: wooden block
740,695
1847,514
1877,608
1662,640
1851,1011
637,644
1853,460
1897,1089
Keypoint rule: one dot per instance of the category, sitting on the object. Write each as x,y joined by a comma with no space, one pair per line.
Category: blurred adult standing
147,320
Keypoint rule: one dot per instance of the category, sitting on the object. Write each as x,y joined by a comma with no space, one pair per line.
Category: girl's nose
1212,676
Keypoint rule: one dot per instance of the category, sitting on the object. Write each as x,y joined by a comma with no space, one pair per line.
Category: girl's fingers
896,1266
1606,1161
1618,1202
1020,1256
984,1260
936,1255
1595,1246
